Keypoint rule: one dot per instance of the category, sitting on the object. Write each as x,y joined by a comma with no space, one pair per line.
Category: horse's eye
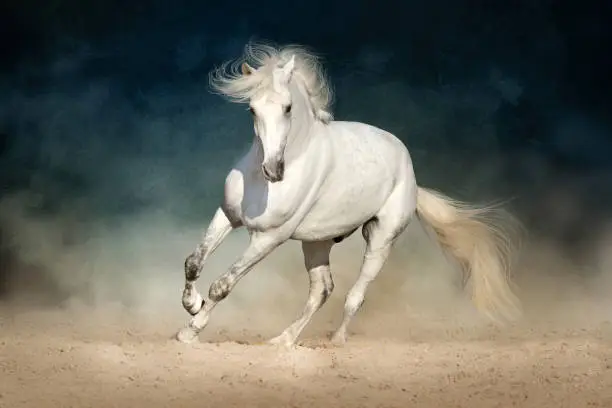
252,111
287,109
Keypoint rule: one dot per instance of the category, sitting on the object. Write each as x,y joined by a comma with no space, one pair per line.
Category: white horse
316,180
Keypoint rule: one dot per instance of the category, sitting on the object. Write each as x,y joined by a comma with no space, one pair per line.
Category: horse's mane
228,80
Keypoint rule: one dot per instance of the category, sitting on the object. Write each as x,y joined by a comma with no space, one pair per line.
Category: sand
416,342
61,358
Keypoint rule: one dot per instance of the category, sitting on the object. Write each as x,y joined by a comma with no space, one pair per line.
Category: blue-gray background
105,113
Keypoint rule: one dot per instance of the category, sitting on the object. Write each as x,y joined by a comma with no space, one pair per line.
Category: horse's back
364,134
371,148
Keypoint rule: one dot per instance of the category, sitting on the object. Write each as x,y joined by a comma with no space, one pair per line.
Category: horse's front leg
217,230
261,244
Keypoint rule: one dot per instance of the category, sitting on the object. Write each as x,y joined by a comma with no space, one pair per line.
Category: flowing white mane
229,81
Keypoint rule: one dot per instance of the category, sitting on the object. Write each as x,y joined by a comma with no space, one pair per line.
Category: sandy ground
103,359
414,343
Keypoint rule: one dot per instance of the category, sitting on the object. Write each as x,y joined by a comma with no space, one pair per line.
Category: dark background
105,114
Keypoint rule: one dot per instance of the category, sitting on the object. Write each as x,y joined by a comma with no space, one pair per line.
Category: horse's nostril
265,172
281,167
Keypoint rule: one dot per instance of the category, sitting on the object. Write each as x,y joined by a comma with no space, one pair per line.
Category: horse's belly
338,216
314,231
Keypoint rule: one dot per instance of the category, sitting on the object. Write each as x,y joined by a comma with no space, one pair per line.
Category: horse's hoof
338,340
282,341
187,335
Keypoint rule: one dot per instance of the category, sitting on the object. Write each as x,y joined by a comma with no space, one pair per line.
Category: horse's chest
263,208
254,203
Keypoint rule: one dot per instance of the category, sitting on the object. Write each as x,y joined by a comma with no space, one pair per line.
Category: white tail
481,247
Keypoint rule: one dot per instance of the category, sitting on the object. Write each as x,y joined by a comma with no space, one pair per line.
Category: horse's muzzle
273,170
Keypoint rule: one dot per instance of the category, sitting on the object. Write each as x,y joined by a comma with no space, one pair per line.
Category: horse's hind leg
379,233
316,258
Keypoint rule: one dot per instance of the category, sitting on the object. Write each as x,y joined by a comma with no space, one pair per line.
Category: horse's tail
482,249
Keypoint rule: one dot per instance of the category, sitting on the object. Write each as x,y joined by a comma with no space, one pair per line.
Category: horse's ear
246,69
289,66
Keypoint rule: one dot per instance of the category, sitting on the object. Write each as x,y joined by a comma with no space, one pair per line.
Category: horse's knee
321,280
192,267
328,286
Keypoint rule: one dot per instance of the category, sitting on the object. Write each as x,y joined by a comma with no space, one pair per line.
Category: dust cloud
134,265
107,196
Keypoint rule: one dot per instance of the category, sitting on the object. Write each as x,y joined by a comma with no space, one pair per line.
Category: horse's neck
299,138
